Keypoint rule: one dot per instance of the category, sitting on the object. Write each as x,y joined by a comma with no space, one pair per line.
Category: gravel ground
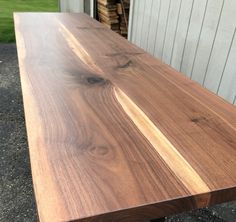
16,195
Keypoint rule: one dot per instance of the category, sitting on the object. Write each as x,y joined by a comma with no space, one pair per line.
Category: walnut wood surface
114,134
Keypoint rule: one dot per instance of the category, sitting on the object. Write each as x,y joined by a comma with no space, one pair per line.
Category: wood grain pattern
114,134
195,37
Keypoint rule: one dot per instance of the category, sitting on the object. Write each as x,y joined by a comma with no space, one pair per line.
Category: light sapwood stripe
78,49
177,163
166,150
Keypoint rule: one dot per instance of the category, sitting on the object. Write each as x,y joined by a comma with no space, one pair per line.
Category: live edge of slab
114,134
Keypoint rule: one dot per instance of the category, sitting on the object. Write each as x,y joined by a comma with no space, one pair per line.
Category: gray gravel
16,195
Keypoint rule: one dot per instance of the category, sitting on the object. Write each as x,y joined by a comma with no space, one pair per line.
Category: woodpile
114,14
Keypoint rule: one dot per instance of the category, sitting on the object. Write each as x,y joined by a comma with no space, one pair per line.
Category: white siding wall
71,5
196,37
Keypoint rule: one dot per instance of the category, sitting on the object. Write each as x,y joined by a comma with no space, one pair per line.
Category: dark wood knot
198,119
125,65
95,80
195,120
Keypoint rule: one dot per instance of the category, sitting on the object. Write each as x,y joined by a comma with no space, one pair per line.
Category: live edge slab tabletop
114,134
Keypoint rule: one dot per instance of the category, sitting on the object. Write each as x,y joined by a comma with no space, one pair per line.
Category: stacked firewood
123,12
114,14
107,13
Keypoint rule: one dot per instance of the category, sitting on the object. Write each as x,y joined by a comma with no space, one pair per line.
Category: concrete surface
16,195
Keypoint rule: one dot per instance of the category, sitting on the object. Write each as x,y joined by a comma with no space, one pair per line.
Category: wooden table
114,134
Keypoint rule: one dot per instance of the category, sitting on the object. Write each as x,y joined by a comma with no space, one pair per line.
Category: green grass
7,7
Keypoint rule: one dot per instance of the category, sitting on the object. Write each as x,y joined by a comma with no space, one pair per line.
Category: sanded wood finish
114,134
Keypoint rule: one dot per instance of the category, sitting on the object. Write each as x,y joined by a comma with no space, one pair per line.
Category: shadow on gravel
16,195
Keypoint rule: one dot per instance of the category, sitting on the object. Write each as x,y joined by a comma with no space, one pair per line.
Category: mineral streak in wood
114,134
